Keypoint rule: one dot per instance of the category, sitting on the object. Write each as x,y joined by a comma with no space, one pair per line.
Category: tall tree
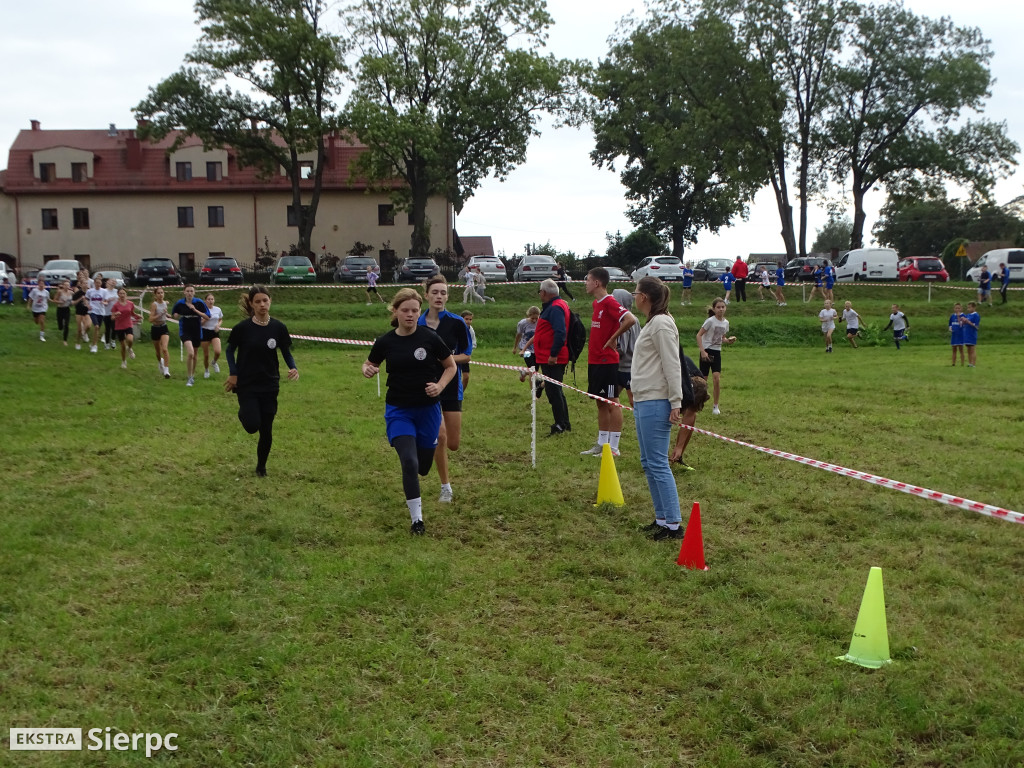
290,64
835,234
685,111
797,42
896,101
449,92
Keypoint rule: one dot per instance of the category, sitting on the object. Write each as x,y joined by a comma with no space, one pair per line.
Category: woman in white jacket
657,400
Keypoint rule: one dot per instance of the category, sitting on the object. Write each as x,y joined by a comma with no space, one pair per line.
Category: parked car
617,275
667,268
491,267
803,267
8,272
536,267
1013,258
710,269
354,268
60,269
157,271
868,264
922,268
221,269
415,270
120,281
293,269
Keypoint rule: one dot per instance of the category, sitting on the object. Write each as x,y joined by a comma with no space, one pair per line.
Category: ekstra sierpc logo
96,739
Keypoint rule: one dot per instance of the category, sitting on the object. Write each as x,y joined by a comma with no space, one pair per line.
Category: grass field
152,584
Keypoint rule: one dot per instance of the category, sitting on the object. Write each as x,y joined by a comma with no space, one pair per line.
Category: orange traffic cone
691,553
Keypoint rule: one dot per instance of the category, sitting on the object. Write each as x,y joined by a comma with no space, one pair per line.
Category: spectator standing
687,284
971,322
552,351
688,415
985,287
740,271
1004,281
6,292
626,346
467,316
956,332
608,322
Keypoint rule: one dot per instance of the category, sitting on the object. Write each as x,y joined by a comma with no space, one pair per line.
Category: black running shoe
418,529
668,533
651,528
261,471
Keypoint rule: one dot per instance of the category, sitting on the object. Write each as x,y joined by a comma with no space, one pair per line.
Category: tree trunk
785,209
859,216
420,192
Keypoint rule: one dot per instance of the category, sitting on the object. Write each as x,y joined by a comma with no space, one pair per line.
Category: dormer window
79,171
47,172
183,171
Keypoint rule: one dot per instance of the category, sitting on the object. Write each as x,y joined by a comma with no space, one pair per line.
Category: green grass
150,583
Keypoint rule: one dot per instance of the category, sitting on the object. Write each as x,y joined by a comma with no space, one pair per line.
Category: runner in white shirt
710,338
828,317
211,335
95,297
852,320
38,302
109,299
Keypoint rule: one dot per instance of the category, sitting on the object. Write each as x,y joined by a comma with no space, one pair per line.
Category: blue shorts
423,423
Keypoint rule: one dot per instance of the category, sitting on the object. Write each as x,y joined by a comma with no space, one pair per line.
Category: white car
1013,258
491,267
667,268
60,269
536,267
110,274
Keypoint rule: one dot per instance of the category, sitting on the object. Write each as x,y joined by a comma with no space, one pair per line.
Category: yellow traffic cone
870,644
608,489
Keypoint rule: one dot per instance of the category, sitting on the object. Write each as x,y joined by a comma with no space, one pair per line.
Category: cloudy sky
73,64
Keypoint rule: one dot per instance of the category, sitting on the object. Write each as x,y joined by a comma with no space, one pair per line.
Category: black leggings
64,320
416,463
256,411
108,329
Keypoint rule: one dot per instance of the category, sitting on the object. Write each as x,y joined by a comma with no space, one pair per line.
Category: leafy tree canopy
289,65
835,234
449,92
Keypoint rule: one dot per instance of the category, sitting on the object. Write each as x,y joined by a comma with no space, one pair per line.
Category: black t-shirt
413,361
455,333
189,320
82,307
256,349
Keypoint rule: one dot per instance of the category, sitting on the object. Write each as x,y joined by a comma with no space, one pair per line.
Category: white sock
613,438
415,508
602,438
673,526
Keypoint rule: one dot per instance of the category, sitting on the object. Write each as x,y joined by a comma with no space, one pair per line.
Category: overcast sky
73,64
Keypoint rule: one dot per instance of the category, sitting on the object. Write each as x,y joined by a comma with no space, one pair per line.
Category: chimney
112,131
35,125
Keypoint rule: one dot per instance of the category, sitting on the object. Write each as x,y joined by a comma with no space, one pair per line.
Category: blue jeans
653,432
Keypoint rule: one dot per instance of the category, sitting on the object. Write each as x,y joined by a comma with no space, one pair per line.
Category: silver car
536,268
665,267
491,267
110,274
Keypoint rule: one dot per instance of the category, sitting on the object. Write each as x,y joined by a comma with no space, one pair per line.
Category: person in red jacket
552,351
740,272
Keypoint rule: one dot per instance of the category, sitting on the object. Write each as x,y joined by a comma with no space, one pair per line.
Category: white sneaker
191,381
124,363
131,354
167,373
93,349
715,411
595,450
446,495
206,373
42,337
216,368
78,346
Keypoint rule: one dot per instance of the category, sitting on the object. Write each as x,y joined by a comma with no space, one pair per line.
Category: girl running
710,338
254,375
420,366
852,320
124,316
109,298
780,283
211,335
96,296
63,298
190,313
78,298
38,302
158,332
828,317
455,333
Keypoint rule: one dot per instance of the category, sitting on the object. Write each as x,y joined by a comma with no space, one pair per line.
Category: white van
1013,258
868,264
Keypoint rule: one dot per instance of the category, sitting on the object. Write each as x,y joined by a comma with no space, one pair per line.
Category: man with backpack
609,321
552,351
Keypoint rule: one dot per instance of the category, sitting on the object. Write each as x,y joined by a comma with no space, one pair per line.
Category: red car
922,268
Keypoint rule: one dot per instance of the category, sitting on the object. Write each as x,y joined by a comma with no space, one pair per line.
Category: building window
215,215
47,172
49,218
183,171
305,169
386,215
186,262
80,217
293,220
79,171
185,217
214,171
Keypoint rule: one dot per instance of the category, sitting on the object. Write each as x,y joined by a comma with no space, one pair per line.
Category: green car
293,269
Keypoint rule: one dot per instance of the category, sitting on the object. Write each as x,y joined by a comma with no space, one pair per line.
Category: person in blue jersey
254,376
830,281
1004,281
970,323
687,285
190,313
727,280
819,284
455,333
780,283
985,286
956,332
420,366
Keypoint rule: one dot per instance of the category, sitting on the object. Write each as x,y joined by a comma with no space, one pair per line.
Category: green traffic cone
870,644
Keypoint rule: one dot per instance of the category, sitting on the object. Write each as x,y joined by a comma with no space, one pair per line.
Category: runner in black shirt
254,375
190,313
420,365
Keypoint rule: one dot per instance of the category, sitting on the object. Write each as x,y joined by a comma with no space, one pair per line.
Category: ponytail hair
657,293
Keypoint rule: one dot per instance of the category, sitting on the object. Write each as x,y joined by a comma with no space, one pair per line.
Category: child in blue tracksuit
6,292
727,279
970,323
830,281
956,332
687,284
780,283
